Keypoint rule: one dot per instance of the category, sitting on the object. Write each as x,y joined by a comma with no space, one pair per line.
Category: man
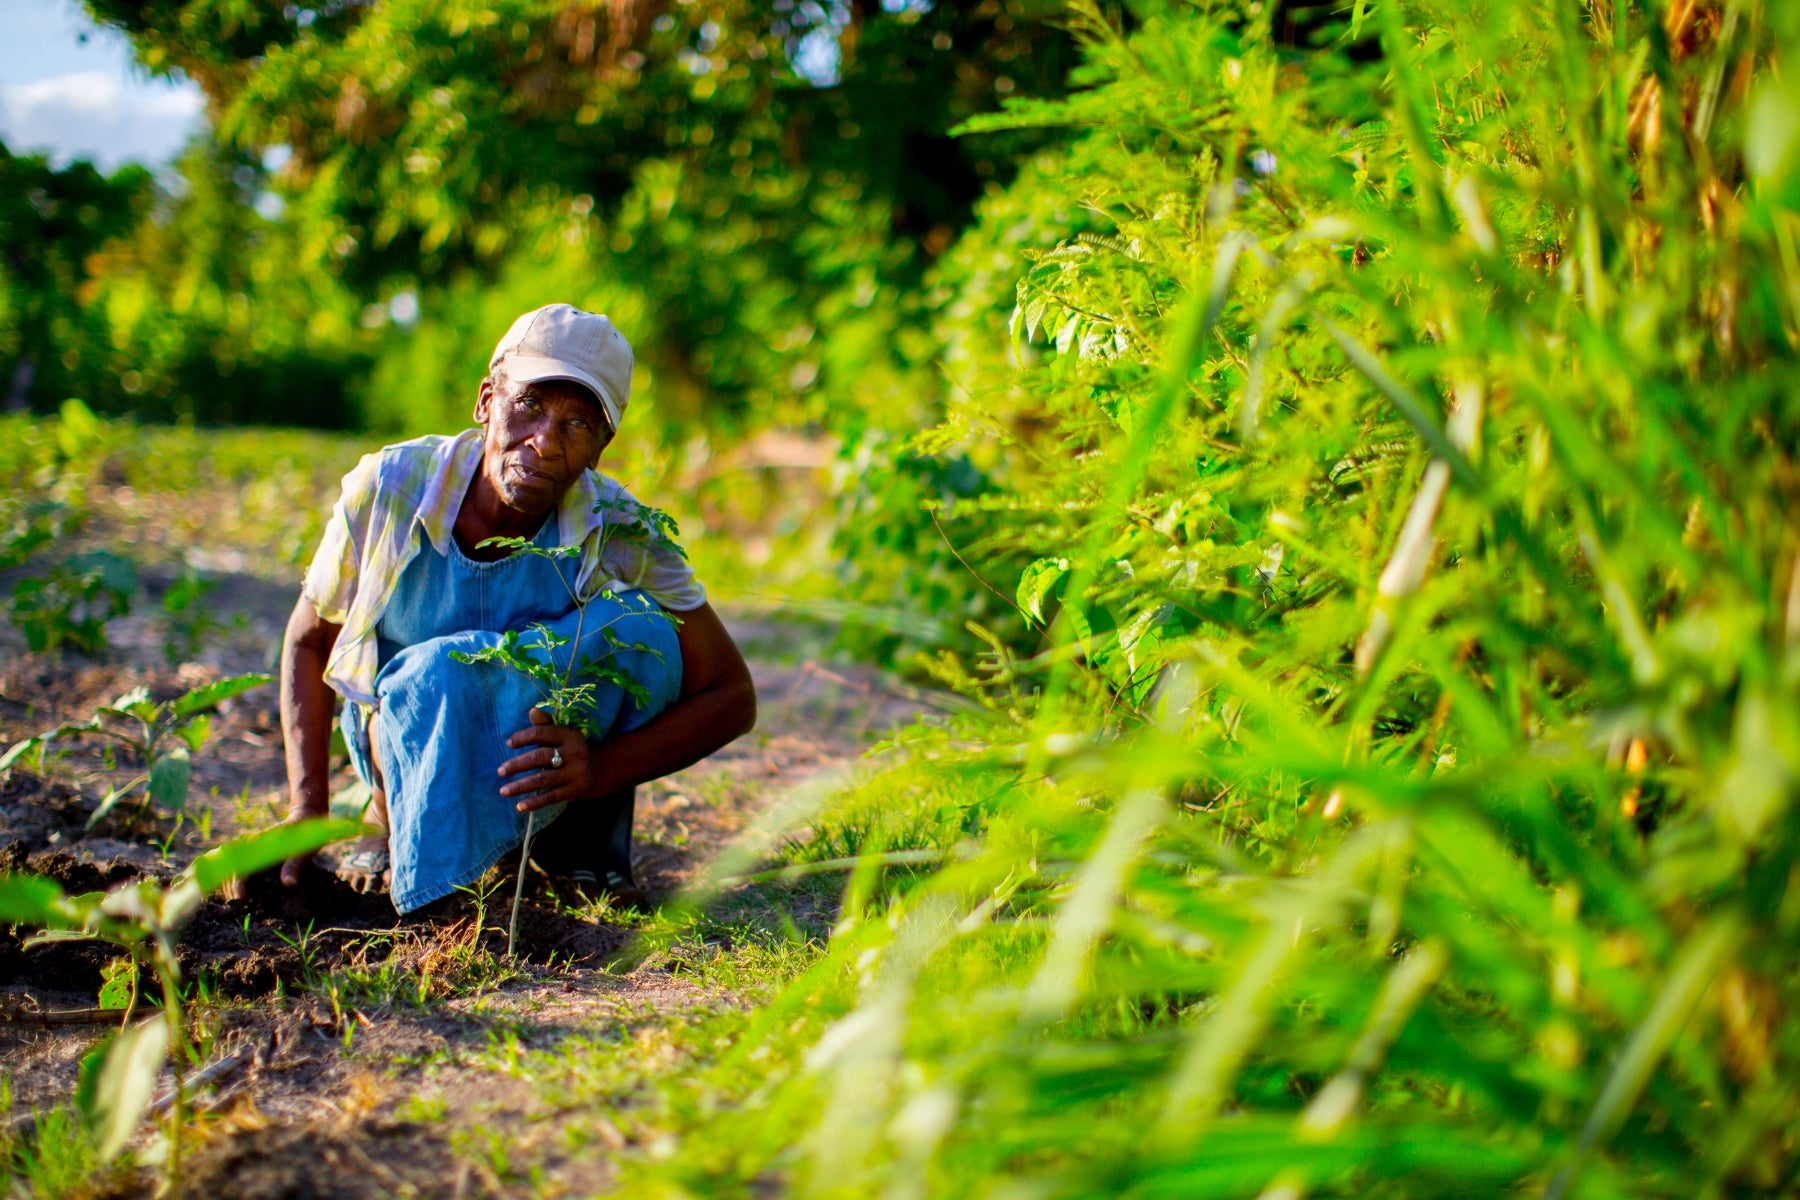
406,573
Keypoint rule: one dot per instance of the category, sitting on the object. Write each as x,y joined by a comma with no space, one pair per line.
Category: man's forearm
306,711
685,733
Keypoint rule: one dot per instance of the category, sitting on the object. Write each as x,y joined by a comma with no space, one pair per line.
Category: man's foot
365,868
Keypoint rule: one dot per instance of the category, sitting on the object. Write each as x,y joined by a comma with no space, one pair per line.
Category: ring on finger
556,758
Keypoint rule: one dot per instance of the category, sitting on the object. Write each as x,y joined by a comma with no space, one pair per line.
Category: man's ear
483,399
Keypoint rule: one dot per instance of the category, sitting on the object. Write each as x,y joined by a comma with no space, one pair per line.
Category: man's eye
528,402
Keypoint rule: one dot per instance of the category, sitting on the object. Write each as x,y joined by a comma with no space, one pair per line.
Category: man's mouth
532,472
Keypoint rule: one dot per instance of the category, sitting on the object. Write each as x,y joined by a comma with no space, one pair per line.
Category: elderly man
410,600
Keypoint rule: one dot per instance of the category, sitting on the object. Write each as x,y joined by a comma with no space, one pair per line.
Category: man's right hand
292,869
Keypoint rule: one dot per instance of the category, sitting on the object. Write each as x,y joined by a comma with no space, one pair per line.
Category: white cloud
99,116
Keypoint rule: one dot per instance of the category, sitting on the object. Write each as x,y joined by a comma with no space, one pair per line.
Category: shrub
1395,446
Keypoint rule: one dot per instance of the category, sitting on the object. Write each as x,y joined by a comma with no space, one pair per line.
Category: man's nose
546,436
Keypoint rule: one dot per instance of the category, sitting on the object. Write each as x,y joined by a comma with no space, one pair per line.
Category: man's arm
717,704
306,711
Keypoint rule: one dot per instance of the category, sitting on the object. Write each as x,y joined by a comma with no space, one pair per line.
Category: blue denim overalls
443,724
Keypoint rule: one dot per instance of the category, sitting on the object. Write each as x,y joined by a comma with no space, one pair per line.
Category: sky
89,100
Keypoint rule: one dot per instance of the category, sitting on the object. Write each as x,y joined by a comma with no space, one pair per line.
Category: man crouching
406,574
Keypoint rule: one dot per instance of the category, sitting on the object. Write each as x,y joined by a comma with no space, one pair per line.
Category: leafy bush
1396,442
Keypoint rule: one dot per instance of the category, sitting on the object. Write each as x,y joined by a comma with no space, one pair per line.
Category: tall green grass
1381,782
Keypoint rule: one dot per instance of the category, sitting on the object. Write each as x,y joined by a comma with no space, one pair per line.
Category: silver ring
556,758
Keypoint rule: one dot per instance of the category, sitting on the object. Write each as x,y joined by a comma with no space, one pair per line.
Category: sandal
366,870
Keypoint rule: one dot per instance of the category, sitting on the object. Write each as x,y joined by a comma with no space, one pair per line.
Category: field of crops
1277,621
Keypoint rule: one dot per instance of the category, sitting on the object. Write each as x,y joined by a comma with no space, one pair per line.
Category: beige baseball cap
560,341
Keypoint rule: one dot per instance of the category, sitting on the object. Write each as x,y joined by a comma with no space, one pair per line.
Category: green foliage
1394,792
187,620
145,920
140,298
568,687
387,186
51,222
71,602
118,1089
54,1159
31,524
160,734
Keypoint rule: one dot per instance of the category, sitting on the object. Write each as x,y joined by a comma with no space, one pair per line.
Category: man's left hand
544,784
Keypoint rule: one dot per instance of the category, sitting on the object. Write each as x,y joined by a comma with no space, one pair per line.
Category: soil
329,1082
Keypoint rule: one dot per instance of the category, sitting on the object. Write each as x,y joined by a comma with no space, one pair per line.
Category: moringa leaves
1036,583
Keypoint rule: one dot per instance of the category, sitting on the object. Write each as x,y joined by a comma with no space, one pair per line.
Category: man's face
540,438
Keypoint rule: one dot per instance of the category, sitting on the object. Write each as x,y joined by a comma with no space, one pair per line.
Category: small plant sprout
186,618
70,604
568,687
160,734
144,920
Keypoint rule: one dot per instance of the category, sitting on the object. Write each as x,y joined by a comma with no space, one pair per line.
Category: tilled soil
332,1018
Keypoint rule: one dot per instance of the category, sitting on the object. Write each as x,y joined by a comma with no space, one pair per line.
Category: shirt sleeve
655,566
331,579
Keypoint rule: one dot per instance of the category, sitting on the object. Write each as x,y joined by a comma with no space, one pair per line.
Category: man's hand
717,704
576,779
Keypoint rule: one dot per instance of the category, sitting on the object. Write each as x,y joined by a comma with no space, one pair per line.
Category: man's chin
528,494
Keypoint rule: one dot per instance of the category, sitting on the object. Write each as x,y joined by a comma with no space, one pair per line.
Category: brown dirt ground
367,1090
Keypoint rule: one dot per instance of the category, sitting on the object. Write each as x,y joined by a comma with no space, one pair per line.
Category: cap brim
521,368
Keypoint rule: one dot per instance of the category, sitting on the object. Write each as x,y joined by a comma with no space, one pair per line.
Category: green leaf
1773,130
115,573
169,779
1696,967
111,801
177,906
246,856
123,1085
1036,582
31,900
194,732
1410,406
504,543
18,750
206,696
135,703
52,936
118,974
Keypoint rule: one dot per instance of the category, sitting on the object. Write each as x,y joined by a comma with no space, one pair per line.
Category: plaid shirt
370,540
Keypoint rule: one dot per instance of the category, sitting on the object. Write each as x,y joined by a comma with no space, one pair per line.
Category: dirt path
365,1056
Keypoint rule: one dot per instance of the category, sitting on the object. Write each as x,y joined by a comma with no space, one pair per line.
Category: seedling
145,920
33,524
161,734
70,604
567,688
186,618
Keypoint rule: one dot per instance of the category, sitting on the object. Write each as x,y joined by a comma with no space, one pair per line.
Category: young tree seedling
567,689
